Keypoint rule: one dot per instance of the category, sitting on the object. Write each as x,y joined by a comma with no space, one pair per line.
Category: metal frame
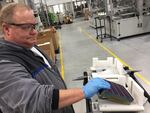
102,27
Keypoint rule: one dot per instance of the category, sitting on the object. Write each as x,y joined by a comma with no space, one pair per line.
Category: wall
53,2
19,1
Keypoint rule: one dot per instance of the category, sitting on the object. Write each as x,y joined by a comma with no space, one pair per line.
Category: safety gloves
94,86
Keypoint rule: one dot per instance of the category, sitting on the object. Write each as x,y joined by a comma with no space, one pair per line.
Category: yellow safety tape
61,58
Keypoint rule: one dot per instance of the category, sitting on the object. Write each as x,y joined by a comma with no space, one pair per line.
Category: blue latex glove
93,86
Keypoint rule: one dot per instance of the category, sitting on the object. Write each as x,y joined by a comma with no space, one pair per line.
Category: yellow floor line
61,58
100,45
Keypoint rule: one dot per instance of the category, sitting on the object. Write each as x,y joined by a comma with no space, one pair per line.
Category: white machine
112,70
128,17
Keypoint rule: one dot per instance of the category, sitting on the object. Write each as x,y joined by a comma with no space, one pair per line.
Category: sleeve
20,92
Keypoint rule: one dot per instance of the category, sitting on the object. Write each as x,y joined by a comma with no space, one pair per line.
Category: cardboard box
44,36
87,14
48,50
56,41
45,42
55,38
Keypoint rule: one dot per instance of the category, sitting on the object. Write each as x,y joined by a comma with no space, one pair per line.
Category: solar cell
117,93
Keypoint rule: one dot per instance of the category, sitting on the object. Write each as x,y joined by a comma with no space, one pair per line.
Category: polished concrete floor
79,46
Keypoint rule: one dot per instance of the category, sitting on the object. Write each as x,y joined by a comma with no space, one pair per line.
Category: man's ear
5,29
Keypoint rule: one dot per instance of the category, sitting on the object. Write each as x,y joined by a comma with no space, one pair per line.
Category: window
58,8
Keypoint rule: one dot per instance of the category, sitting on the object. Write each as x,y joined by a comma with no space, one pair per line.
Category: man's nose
34,32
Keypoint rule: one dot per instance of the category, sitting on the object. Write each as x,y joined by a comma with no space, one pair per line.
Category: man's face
22,31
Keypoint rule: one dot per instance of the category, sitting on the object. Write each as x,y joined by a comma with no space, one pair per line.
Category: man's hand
93,86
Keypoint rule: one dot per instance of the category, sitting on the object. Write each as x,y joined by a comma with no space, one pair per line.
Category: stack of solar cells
117,94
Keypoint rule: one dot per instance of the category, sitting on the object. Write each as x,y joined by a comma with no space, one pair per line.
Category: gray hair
7,12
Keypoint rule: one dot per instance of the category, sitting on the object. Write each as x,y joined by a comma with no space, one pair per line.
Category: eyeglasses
25,26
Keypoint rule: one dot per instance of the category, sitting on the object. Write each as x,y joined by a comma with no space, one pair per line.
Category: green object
52,17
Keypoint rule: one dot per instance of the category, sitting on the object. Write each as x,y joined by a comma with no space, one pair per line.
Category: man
29,81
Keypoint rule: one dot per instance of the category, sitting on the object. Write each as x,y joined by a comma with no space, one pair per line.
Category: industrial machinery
128,17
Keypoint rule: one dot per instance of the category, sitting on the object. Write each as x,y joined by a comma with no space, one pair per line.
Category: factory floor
79,46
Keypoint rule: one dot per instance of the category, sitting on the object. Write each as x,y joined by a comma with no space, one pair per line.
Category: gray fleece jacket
22,91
